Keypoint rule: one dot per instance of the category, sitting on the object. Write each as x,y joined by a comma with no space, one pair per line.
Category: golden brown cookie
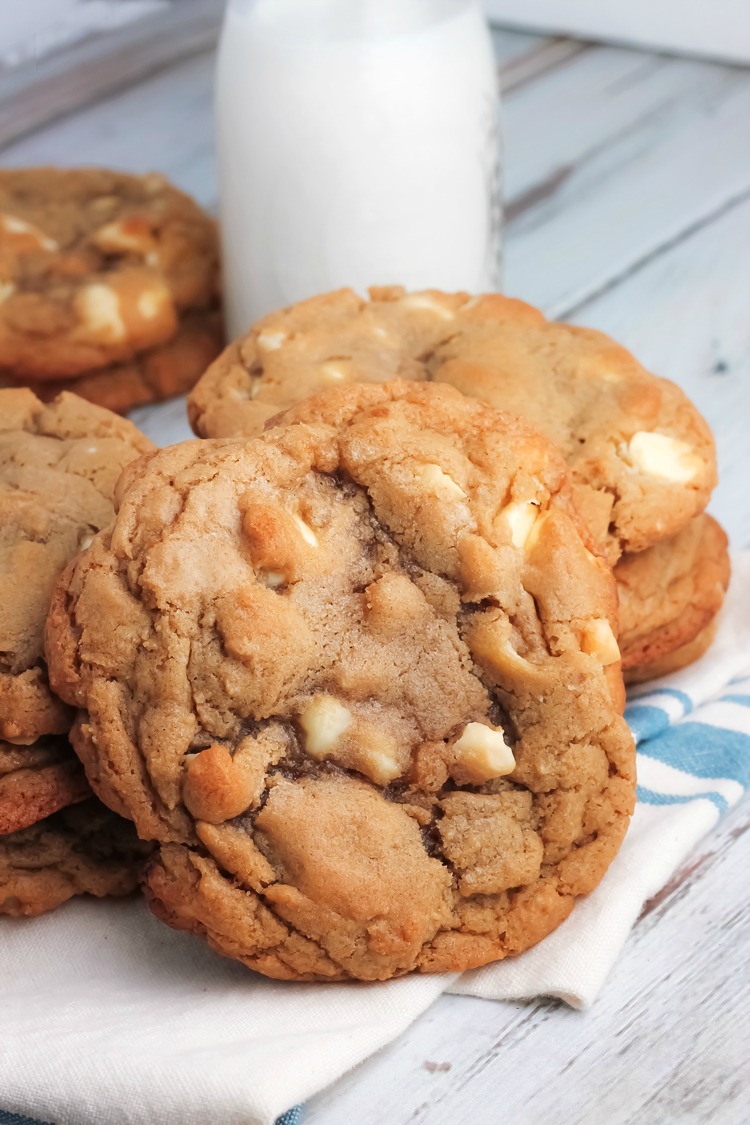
640,453
670,593
85,849
363,687
96,266
58,467
38,780
171,369
676,659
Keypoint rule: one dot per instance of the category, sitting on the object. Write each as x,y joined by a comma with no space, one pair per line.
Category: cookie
640,453
171,369
58,467
363,687
676,659
96,266
670,593
38,780
81,850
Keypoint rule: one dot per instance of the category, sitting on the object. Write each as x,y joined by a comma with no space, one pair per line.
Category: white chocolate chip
274,578
508,654
333,372
85,541
659,455
14,225
115,237
7,289
483,753
270,341
154,182
324,721
440,484
305,531
104,203
427,303
521,516
380,766
598,640
99,307
494,647
149,303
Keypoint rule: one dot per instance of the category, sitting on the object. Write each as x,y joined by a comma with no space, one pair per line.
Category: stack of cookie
58,467
641,456
355,679
108,286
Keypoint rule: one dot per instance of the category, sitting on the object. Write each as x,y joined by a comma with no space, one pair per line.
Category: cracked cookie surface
641,455
85,849
96,266
58,467
363,687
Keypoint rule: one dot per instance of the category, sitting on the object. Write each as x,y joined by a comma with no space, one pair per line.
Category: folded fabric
109,1017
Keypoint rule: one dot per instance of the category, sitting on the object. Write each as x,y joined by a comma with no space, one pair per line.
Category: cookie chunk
81,850
152,376
641,455
58,467
364,688
96,266
670,594
38,780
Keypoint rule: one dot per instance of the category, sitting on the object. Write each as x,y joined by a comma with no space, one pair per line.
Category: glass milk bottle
358,145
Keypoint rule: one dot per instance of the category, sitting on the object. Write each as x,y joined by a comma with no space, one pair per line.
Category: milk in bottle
358,145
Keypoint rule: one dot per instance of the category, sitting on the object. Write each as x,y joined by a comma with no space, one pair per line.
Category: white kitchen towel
109,1018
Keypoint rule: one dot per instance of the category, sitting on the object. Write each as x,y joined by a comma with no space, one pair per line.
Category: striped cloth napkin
108,1017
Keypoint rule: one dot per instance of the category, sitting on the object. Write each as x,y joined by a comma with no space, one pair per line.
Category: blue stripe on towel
681,697
743,700
703,751
649,797
291,1117
646,721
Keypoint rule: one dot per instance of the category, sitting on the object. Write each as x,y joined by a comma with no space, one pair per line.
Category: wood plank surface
37,93
611,158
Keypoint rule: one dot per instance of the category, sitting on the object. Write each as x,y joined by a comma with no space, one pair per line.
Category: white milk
358,146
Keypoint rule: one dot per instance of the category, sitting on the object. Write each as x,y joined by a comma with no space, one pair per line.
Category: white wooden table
628,204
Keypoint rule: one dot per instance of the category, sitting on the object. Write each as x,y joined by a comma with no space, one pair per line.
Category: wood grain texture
633,151
542,55
83,72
